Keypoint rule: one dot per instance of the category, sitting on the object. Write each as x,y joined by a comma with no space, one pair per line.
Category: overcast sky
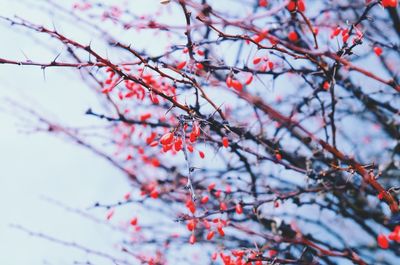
36,164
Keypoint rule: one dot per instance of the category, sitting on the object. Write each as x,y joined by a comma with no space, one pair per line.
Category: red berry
258,38
210,235
228,81
133,221
397,230
239,209
191,206
383,242
199,66
263,3
291,6
206,224
270,65
154,194
256,60
204,199
225,141
120,95
196,129
301,6
201,154
345,37
166,148
264,67
156,163
238,253
178,144
226,259
237,85
220,231
389,3
181,65
223,206
249,79
193,137
336,31
167,138
145,117
326,85
272,253
211,186
192,239
378,50
292,36
191,225
392,236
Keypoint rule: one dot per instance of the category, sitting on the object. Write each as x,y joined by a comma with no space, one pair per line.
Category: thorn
89,111
54,26
44,73
26,57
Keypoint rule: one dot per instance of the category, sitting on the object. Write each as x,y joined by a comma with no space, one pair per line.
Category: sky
38,165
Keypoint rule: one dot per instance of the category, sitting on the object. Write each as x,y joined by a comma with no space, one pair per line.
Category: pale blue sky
35,165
